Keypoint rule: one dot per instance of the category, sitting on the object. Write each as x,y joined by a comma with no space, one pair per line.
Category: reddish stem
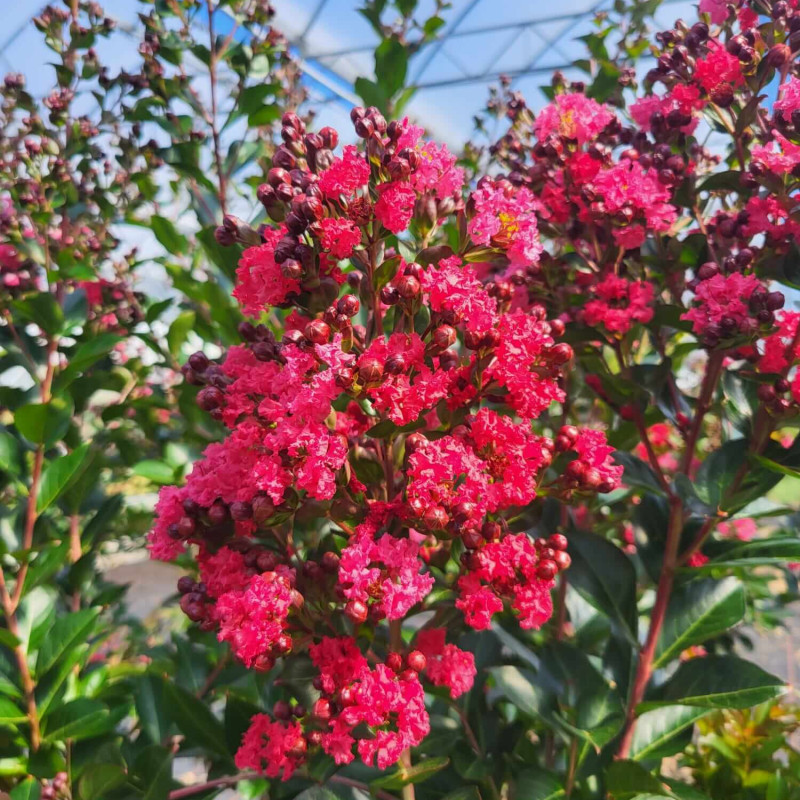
644,666
710,379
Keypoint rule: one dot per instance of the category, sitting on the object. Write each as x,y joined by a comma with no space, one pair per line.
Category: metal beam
434,49
457,34
312,20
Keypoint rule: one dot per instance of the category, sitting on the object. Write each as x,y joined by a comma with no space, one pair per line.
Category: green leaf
637,473
656,728
165,231
151,708
685,792
9,711
60,474
385,272
225,258
43,423
774,466
195,720
179,331
317,793
7,638
9,454
29,789
43,310
391,65
371,93
717,471
537,784
593,709
159,773
265,115
69,631
78,719
155,471
627,778
97,779
759,552
417,773
521,688
697,611
605,577
252,98
48,689
85,356
718,682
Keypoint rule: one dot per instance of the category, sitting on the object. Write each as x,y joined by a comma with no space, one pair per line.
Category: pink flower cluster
619,304
363,466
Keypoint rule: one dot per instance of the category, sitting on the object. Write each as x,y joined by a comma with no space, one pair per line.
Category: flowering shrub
380,441
498,451
461,412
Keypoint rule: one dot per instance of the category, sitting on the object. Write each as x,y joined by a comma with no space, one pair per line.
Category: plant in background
70,380
749,753
88,401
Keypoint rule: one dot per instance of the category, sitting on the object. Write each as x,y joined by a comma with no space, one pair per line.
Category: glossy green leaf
626,779
391,63
155,471
655,729
386,271
70,630
637,472
317,793
78,719
9,712
416,773
537,784
43,423
194,719
697,611
605,577
719,682
29,789
158,773
9,454
165,231
775,550
179,331
85,356
521,688
151,708
60,474
98,779
43,310
774,466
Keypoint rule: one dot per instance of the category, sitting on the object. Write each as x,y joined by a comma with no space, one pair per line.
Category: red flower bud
408,287
547,570
356,611
416,661
317,332
370,370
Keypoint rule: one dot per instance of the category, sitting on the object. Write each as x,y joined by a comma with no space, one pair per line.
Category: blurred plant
747,754
90,381
399,39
